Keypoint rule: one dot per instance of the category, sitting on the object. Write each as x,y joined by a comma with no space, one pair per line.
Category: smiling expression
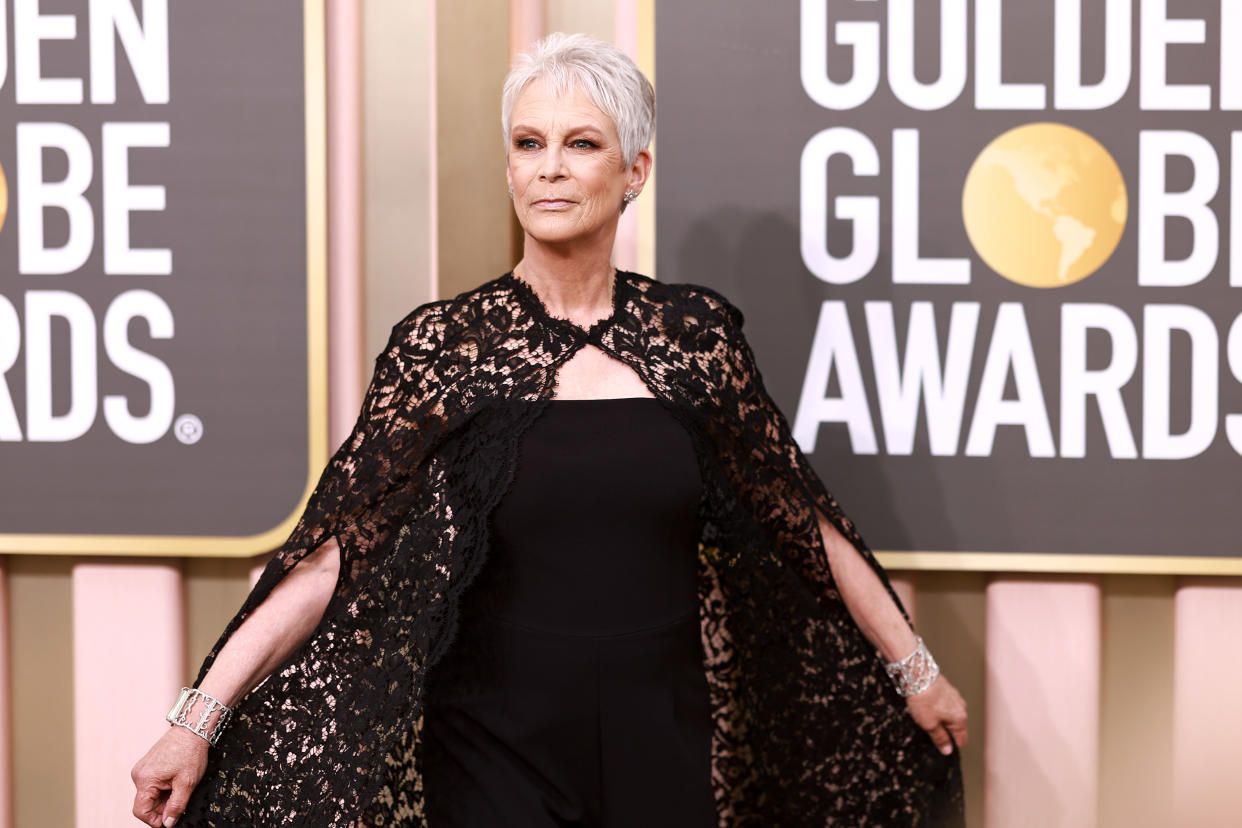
566,166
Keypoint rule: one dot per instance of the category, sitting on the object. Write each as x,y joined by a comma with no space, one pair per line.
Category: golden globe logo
1044,205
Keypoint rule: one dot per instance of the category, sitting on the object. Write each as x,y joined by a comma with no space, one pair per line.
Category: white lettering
1069,90
34,194
863,212
41,423
952,80
1157,32
1230,55
864,39
1155,203
1159,321
146,305
1010,348
30,29
1235,209
834,347
908,268
4,42
10,345
145,45
1233,351
920,375
1078,382
120,198
990,91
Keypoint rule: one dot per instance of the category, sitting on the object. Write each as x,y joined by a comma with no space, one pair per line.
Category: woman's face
566,166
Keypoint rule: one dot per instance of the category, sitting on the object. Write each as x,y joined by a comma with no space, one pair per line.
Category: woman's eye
583,143
526,143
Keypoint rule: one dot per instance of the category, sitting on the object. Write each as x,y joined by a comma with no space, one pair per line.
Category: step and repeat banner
161,274
990,258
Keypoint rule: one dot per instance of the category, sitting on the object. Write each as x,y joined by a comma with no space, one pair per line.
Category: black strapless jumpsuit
575,693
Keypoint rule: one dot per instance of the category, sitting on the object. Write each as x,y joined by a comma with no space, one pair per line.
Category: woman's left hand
941,711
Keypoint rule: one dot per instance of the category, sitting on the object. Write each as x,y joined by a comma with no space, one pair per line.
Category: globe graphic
1044,205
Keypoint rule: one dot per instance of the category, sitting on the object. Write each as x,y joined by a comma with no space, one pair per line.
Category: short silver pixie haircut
604,72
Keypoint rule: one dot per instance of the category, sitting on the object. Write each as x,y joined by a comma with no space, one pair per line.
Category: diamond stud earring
630,195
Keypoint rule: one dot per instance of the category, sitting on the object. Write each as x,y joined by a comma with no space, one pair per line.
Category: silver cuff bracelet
914,673
181,714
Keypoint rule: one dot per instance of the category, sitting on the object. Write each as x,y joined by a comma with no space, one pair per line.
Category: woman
582,431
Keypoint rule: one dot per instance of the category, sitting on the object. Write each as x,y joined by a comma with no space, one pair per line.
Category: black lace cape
808,729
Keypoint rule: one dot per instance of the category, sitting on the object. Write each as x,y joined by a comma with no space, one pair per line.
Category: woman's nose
553,164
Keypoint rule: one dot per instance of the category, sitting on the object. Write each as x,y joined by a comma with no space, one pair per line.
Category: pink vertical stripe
525,24
1043,715
6,704
625,33
344,113
433,147
1207,715
128,664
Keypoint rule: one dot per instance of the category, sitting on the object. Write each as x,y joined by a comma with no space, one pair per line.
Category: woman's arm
275,630
940,709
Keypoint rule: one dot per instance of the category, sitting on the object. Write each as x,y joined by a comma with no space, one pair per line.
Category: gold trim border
1037,562
315,65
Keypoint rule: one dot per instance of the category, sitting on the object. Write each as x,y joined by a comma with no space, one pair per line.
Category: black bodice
596,534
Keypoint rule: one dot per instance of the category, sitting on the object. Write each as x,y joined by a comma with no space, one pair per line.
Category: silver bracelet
914,673
181,714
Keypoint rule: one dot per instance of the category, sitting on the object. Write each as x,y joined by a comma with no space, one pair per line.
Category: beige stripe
952,614
6,703
477,239
399,167
1136,702
41,611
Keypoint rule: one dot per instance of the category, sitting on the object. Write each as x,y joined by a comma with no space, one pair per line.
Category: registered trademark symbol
188,428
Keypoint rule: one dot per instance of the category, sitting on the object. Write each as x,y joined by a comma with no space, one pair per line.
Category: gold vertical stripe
952,615
1136,701
41,651
592,17
476,239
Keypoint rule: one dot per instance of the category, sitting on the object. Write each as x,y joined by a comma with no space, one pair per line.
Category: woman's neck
574,284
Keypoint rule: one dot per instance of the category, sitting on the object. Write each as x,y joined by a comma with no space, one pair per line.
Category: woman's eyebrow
573,130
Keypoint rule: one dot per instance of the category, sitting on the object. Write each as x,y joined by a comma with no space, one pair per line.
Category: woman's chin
553,233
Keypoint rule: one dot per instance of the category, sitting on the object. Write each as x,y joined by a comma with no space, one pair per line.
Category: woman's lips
553,204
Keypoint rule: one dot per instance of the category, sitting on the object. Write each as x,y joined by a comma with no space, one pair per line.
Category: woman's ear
640,170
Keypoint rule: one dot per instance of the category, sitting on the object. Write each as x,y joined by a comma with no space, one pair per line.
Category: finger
146,805
940,737
957,730
177,801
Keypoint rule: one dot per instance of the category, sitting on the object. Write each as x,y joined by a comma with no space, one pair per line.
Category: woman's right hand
165,777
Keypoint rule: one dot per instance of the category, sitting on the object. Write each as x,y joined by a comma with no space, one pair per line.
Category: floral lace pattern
808,729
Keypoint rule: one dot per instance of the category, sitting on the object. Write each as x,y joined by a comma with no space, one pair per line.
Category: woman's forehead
539,105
